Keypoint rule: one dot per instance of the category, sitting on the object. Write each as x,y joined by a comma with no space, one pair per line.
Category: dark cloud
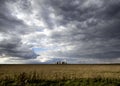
111,10
13,47
96,28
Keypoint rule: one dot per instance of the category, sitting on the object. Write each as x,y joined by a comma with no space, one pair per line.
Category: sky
47,31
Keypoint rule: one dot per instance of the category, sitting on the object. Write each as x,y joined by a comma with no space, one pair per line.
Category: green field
59,75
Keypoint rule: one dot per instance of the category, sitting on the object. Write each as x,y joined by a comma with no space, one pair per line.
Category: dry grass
63,71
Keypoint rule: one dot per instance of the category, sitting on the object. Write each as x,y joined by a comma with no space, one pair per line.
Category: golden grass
63,71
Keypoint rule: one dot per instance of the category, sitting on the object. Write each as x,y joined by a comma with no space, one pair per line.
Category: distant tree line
61,62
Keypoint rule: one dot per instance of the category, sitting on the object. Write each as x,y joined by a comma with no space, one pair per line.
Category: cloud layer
79,31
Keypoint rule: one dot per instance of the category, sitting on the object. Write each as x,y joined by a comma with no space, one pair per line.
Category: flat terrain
63,71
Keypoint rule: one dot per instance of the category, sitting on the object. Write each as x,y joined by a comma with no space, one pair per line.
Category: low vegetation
59,75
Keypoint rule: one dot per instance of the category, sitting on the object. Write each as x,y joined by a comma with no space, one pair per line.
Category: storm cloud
79,31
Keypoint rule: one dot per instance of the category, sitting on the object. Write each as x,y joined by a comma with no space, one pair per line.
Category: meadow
59,75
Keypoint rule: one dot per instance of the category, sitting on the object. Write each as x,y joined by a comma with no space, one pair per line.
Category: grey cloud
71,11
91,28
9,23
14,48
110,10
101,27
12,29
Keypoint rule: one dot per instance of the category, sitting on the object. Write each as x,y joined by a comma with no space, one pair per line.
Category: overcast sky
47,31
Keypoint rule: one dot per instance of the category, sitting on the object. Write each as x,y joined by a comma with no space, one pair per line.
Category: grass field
59,75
